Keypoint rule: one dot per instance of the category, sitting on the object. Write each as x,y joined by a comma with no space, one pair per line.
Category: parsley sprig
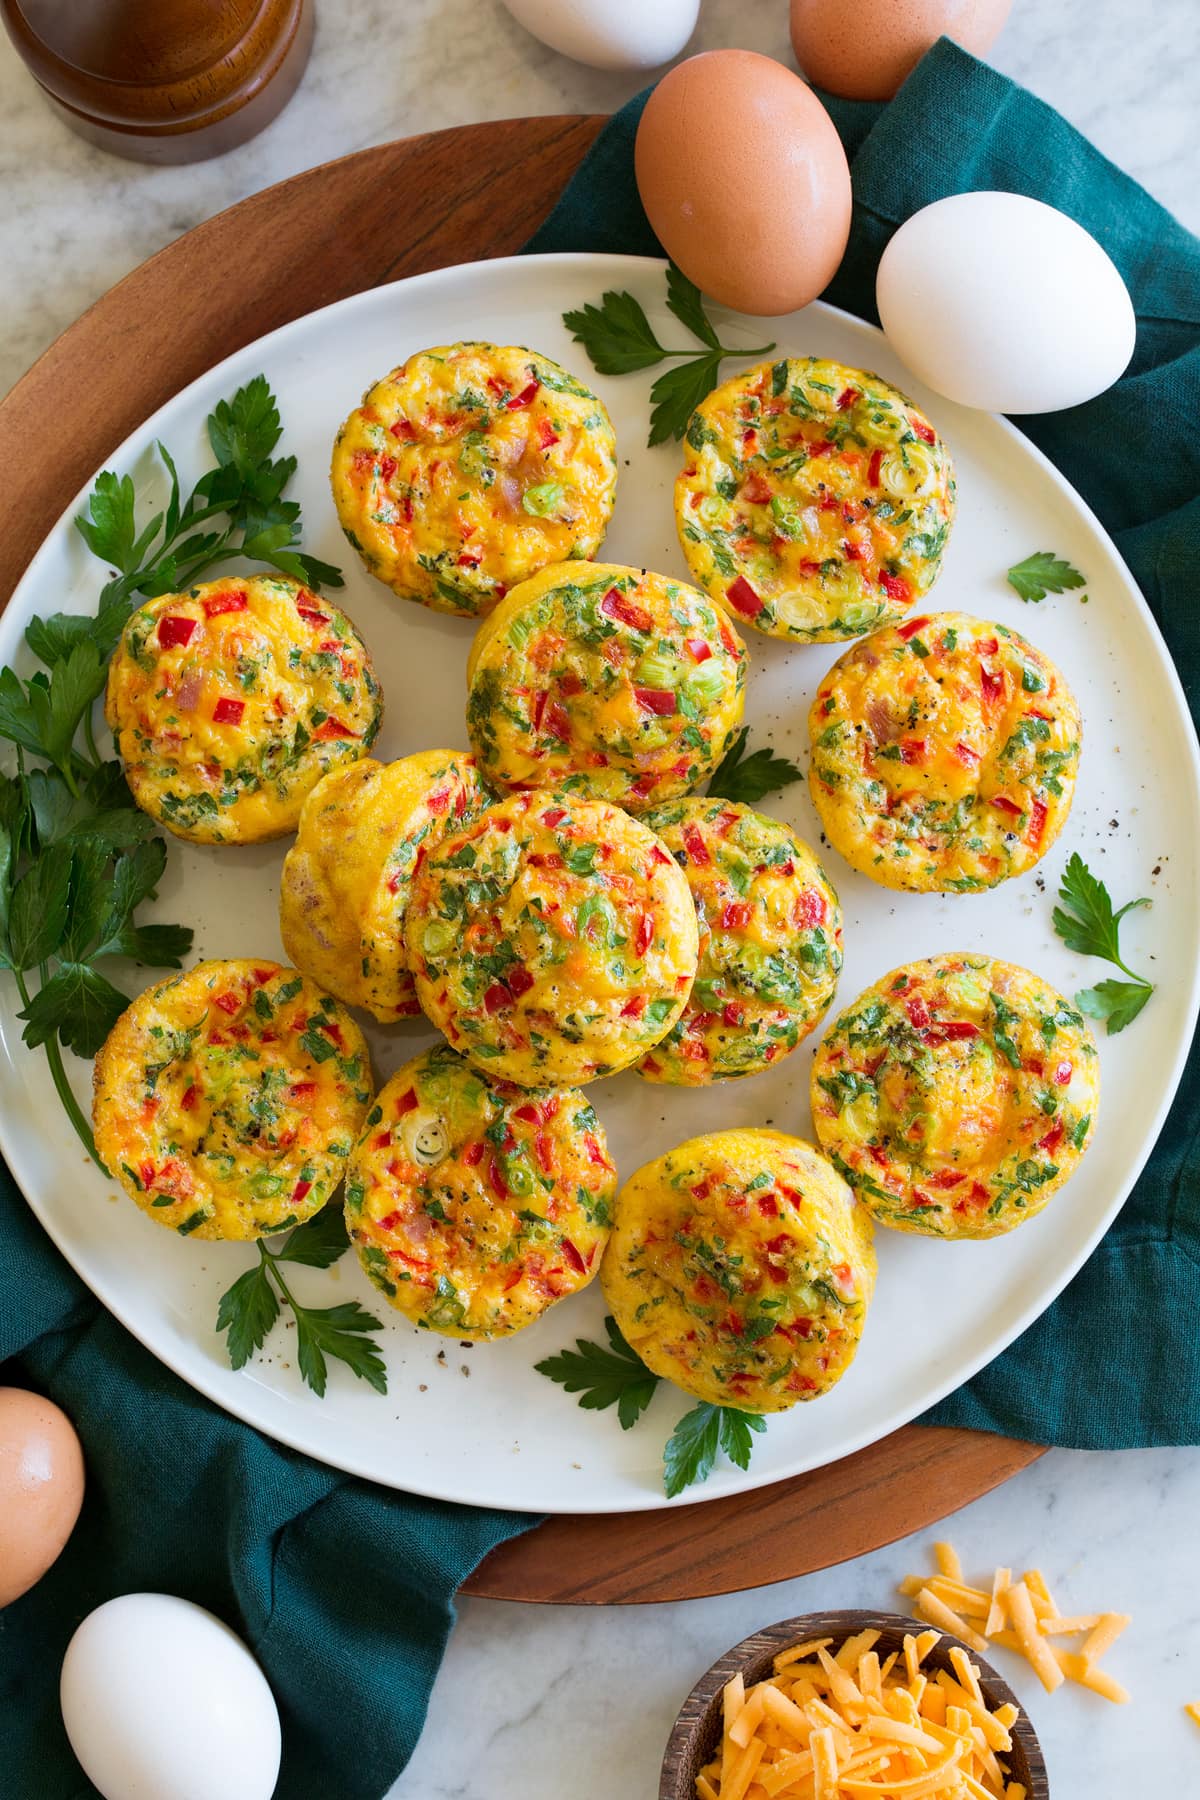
1087,924
248,1310
77,858
1043,573
618,338
236,511
750,778
615,1375
76,861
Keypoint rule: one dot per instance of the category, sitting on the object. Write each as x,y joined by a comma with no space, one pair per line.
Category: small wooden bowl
697,1730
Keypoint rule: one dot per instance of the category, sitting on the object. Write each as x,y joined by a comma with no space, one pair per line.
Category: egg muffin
610,682
770,942
345,882
944,754
815,500
956,1096
741,1267
473,1204
553,940
228,1099
470,467
229,702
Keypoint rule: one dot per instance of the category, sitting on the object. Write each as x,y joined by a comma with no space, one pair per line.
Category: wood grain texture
697,1730
396,210
899,1485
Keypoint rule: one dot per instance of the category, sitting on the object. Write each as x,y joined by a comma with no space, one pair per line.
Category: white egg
1004,303
610,34
161,1701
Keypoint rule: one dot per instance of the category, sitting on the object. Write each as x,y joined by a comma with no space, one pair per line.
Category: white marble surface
542,1704
577,1703
74,219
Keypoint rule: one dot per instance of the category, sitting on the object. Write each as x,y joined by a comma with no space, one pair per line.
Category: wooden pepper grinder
163,81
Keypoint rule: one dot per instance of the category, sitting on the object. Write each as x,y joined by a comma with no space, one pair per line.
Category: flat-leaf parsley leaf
1043,573
249,1309
619,339
615,1375
750,778
1087,924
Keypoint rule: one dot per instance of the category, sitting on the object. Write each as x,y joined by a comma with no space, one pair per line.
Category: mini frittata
956,1095
741,1267
469,468
229,702
770,942
815,501
553,940
944,754
605,681
344,888
473,1204
228,1099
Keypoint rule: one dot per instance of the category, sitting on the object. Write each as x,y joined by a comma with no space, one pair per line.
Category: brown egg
745,181
41,1488
866,50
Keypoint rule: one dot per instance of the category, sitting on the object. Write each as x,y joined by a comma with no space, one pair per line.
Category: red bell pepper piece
698,650
1003,804
228,712
742,597
174,631
333,728
846,398
873,468
810,908
644,936
519,980
656,700
615,605
894,586
235,600
925,432
496,997
910,627
695,846
523,398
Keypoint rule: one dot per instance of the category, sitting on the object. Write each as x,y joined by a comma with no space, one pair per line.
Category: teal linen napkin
345,1591
1115,1362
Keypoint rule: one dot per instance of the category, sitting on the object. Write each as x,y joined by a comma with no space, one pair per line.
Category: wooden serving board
396,210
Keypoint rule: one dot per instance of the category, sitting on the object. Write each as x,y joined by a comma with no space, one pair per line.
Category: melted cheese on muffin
770,942
741,1268
815,501
470,467
229,702
944,754
344,889
474,1204
956,1096
552,940
228,1099
601,680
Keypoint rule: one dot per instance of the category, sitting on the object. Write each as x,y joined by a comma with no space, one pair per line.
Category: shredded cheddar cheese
842,1725
1021,1615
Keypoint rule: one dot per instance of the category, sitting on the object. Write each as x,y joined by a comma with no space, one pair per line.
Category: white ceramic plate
477,1423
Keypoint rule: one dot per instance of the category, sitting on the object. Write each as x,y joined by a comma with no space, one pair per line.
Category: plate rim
210,1377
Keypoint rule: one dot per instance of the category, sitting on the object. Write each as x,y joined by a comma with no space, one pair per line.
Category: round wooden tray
398,209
